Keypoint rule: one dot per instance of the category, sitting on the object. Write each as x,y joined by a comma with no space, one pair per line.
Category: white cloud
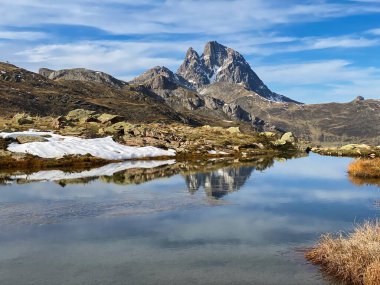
16,35
179,16
331,80
121,59
375,32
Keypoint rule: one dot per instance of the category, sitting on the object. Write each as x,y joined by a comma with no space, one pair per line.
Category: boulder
268,134
288,138
23,119
81,115
233,130
109,119
29,139
59,122
120,128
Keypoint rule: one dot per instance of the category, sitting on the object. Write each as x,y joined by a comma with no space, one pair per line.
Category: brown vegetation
365,168
352,258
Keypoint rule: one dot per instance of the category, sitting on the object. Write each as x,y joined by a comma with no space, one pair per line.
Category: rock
234,111
213,103
45,72
109,119
29,139
359,98
59,122
23,119
268,134
288,138
355,147
119,128
192,103
81,115
233,130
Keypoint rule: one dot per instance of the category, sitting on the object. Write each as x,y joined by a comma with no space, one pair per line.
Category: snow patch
58,146
214,152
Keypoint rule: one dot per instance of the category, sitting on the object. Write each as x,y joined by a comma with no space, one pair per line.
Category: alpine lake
164,222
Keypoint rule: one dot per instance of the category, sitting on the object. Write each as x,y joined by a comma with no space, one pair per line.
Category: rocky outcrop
236,112
82,74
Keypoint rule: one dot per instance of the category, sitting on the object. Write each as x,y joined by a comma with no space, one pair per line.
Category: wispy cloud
122,59
173,16
338,80
17,35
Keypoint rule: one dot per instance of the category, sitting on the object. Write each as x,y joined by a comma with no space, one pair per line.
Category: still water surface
239,224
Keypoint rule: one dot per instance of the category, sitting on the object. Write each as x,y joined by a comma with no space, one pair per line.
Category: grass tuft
365,168
352,258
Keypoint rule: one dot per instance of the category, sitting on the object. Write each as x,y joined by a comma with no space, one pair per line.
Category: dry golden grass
352,258
365,168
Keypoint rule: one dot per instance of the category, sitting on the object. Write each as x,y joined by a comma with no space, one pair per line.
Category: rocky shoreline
350,150
189,143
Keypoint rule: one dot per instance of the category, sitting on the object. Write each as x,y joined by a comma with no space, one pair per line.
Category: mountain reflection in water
217,177
220,182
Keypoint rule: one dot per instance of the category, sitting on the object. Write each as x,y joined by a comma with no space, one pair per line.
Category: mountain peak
214,54
161,77
219,63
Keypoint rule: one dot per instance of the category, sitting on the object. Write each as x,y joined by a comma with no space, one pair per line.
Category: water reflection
220,182
111,230
217,177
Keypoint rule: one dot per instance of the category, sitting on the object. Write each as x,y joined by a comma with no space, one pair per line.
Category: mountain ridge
160,95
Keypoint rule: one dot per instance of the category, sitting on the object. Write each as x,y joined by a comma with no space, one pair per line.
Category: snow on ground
58,146
107,170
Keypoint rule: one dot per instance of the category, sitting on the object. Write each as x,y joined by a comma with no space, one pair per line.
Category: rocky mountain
219,63
217,88
82,74
183,97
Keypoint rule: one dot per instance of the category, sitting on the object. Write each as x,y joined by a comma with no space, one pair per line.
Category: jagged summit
219,63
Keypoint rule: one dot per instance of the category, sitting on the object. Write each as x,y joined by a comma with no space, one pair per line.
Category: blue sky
312,50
